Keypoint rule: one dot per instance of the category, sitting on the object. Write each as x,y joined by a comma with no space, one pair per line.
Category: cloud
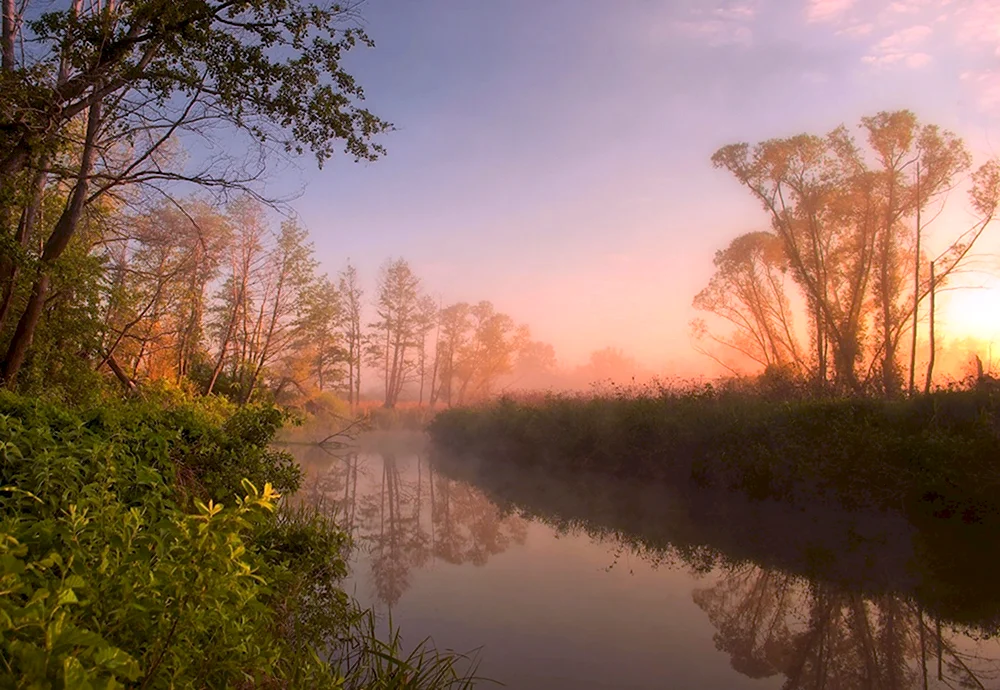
979,22
985,85
728,24
857,30
917,60
742,12
715,32
901,47
827,10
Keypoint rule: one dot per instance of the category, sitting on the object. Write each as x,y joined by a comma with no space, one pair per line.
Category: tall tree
396,330
842,213
452,338
351,294
125,78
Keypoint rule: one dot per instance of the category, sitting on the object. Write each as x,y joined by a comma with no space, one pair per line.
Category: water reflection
818,636
792,598
402,519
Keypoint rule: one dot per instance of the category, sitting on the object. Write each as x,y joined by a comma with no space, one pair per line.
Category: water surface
590,582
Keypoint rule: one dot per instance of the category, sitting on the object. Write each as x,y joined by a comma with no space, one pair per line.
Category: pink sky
554,157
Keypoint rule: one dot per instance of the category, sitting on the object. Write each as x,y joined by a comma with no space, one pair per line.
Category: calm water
587,582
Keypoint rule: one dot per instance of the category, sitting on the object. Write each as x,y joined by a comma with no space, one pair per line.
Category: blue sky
553,156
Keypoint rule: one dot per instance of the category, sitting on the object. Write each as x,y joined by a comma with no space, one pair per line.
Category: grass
939,450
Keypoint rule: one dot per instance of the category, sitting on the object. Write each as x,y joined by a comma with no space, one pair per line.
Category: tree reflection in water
404,519
772,623
780,605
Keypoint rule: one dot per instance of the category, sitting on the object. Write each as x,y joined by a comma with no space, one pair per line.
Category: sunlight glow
974,313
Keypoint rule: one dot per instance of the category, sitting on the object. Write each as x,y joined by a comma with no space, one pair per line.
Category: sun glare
974,313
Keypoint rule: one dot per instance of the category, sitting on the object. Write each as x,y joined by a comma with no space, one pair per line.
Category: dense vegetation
939,448
146,545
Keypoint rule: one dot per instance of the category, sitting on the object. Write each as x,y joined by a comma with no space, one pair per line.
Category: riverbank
938,450
147,544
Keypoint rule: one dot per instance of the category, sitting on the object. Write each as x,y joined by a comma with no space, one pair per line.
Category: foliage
846,225
120,566
771,441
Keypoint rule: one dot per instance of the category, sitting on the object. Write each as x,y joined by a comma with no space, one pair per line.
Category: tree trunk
53,249
221,360
916,293
930,363
8,267
9,35
25,331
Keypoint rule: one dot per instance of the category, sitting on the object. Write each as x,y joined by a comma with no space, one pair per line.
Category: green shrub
143,545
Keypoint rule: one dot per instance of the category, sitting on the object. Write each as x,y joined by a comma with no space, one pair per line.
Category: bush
143,544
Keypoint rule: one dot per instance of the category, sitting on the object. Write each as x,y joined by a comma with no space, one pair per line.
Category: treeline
847,250
219,298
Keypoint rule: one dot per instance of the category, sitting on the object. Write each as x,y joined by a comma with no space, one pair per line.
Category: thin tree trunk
53,249
9,35
930,363
940,645
221,360
923,640
916,293
9,269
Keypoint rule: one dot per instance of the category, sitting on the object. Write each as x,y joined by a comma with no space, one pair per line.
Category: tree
454,326
748,292
286,275
487,352
126,79
395,333
535,364
319,332
245,257
842,215
427,313
351,294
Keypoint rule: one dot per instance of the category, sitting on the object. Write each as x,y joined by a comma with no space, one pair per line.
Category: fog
556,160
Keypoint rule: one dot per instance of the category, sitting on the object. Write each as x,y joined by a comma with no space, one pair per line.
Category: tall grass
941,449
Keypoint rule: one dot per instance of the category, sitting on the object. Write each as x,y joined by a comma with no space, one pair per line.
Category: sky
554,157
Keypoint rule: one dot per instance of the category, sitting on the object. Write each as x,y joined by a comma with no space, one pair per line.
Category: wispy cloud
827,10
857,30
901,47
726,24
715,32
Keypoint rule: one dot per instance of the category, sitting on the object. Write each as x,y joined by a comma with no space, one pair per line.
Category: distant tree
319,337
427,321
487,353
453,335
351,294
535,363
395,333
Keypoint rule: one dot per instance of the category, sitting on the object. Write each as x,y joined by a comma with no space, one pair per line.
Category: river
589,582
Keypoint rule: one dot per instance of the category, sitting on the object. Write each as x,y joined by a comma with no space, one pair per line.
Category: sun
973,313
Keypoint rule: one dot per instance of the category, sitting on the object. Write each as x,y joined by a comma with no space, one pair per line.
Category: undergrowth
145,545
